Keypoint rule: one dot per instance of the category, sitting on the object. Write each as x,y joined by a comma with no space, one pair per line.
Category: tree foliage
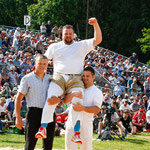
145,41
13,11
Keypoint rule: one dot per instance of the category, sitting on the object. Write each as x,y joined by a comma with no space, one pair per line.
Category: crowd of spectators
125,84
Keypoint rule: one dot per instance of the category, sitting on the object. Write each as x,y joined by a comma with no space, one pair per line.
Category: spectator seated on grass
98,118
114,121
138,121
126,122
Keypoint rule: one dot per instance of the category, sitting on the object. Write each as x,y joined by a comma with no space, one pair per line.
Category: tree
145,41
13,11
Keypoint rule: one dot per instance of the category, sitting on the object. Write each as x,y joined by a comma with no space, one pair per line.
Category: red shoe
76,138
148,130
41,134
137,130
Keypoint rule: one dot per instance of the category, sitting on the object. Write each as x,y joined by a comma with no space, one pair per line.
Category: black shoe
99,137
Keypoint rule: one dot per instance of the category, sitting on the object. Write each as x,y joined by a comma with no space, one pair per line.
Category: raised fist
92,21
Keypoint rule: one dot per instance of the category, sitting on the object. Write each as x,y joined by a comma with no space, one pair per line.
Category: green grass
137,142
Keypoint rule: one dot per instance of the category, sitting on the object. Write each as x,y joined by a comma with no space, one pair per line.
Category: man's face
68,36
41,65
88,78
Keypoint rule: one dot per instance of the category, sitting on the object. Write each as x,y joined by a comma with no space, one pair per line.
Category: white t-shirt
2,108
69,59
92,97
148,115
123,107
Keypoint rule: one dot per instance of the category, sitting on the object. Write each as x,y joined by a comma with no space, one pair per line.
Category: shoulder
28,76
96,90
56,45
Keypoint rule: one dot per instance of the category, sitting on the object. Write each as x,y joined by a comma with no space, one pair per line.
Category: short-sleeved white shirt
69,59
92,97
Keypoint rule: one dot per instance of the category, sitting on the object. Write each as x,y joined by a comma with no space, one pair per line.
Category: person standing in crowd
68,58
13,78
34,87
133,59
147,87
5,77
16,44
134,88
49,28
43,29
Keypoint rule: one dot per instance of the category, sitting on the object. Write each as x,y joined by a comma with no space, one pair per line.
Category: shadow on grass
137,141
4,141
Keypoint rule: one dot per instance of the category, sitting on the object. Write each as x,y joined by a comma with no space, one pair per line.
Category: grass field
140,141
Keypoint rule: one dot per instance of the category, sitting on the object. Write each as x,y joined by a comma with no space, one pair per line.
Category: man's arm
92,109
97,31
69,96
19,122
55,100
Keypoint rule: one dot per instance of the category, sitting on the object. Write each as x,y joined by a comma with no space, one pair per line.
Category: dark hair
90,69
67,26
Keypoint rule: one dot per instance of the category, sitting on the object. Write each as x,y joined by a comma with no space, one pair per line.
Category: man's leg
76,117
100,127
69,145
86,135
48,142
32,125
48,110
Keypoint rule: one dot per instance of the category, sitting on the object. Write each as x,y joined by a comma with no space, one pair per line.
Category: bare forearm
97,35
68,98
92,109
18,104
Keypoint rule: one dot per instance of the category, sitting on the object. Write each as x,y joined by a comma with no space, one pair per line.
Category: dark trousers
33,124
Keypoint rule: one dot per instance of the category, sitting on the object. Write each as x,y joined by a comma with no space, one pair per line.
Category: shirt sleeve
88,45
98,99
49,53
24,87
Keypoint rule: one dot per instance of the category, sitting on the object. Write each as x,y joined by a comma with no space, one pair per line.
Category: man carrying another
34,87
68,58
92,102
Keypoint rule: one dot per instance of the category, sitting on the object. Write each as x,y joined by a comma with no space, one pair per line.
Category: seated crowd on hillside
126,84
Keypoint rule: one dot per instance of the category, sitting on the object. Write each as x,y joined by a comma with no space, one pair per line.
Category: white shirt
123,107
43,29
69,59
92,97
2,108
148,115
